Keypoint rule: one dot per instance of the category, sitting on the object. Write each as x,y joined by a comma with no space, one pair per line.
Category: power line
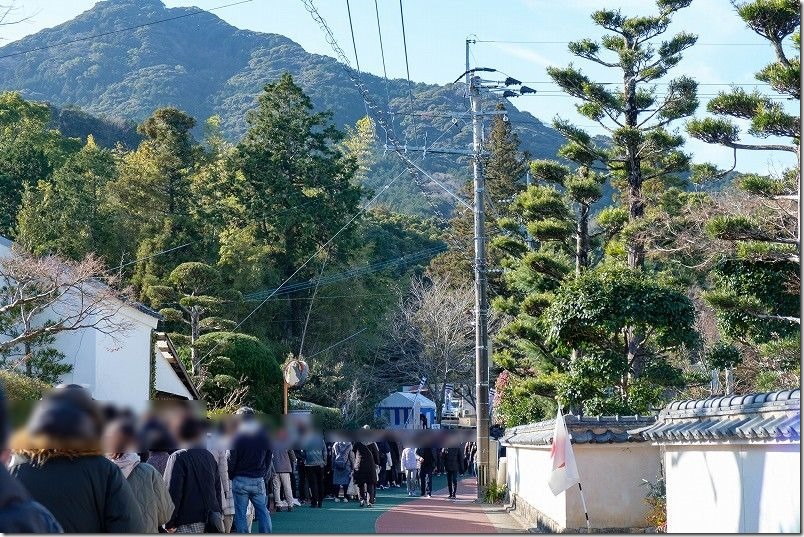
661,83
352,30
351,273
121,30
407,66
380,119
513,42
384,71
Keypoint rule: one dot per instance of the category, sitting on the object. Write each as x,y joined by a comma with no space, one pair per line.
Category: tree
360,144
234,359
643,155
596,312
41,297
196,298
290,157
755,285
69,215
504,167
152,195
432,337
29,151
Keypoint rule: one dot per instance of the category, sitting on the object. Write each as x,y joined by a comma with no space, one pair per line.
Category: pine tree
291,158
755,284
643,154
504,167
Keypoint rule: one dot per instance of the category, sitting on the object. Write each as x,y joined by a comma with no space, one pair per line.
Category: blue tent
397,409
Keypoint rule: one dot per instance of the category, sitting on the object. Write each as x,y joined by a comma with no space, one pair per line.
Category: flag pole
585,512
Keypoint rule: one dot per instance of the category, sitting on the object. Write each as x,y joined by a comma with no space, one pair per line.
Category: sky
517,37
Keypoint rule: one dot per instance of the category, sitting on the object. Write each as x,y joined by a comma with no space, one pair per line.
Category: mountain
205,66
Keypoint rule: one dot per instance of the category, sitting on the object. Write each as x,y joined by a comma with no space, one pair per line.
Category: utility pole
481,292
501,89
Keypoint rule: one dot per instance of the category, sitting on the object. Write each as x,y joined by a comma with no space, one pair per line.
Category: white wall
113,367
611,475
733,488
167,380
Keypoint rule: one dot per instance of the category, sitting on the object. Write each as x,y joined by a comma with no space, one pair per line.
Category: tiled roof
582,429
758,416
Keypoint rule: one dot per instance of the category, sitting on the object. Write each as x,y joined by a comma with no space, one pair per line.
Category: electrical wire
352,30
512,42
351,273
121,30
318,251
384,71
379,118
310,308
407,65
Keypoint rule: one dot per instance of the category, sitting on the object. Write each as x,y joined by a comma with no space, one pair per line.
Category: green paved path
339,517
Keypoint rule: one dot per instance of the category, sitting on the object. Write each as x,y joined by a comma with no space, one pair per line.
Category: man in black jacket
193,480
453,465
18,512
249,462
427,458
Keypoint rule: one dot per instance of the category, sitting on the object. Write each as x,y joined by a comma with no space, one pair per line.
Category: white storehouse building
128,368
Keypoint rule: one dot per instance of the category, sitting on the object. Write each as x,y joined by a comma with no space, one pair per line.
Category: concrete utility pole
481,293
500,89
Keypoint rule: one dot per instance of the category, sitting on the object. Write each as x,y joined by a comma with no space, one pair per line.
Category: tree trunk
636,210
195,330
581,253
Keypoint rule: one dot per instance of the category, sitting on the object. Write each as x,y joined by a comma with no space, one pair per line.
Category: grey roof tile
759,416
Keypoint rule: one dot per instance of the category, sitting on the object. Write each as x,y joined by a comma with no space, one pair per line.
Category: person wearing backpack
342,466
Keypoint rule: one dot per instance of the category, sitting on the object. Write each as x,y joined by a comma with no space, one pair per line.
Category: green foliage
250,358
19,387
746,290
69,214
723,356
495,492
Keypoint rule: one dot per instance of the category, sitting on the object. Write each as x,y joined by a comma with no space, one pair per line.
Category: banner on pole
448,388
564,472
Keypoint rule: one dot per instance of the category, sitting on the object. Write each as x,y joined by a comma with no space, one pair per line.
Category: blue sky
727,53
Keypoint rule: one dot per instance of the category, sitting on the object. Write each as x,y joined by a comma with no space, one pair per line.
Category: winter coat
395,454
151,494
315,452
158,459
375,452
408,461
57,458
86,494
283,461
194,485
364,466
19,513
384,450
428,456
453,459
217,448
250,455
343,461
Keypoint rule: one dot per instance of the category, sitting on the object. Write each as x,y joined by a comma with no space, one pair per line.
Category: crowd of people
78,467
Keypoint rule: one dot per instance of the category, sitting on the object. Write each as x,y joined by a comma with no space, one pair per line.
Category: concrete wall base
538,522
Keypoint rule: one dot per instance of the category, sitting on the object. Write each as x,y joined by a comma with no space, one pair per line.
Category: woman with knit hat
59,459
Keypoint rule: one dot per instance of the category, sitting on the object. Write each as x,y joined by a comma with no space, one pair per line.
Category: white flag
564,471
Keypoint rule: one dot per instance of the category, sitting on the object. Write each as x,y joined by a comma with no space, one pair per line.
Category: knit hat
67,413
